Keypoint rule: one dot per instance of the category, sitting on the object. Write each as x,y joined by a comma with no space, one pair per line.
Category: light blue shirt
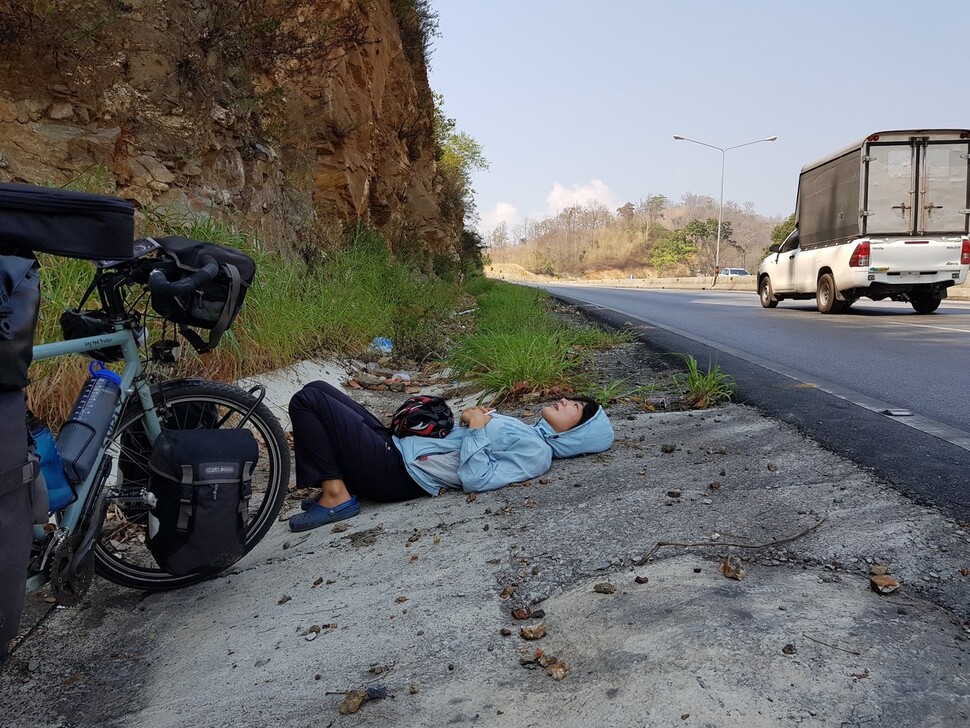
505,451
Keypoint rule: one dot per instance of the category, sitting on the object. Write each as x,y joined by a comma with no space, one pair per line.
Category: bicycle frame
132,381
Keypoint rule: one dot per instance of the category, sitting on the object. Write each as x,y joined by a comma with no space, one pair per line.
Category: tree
458,155
626,212
672,250
783,229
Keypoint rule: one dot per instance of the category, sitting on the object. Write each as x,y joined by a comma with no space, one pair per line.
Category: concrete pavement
414,597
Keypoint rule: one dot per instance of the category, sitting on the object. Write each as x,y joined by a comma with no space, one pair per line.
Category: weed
519,346
703,389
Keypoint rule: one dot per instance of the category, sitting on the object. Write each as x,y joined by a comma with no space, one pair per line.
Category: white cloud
562,197
502,212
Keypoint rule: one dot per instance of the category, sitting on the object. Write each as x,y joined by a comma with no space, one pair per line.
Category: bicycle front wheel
121,553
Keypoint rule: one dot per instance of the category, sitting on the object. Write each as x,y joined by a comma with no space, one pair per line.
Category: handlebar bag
66,223
212,306
202,482
19,303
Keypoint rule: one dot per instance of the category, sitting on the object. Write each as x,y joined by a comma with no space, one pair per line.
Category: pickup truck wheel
925,304
768,299
825,295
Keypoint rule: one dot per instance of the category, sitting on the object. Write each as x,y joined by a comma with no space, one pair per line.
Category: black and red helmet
423,415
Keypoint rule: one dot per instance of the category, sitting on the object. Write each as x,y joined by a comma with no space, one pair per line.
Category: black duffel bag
66,223
202,482
213,305
19,303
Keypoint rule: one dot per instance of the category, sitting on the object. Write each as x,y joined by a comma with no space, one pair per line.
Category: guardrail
705,283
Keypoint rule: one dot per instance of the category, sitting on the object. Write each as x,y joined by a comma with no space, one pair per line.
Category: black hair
590,407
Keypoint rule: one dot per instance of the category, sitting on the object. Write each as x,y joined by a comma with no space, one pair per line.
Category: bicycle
104,530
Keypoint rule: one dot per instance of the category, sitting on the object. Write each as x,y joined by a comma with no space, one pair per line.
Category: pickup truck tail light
860,256
965,255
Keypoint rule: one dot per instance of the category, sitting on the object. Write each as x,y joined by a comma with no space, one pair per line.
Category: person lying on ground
346,451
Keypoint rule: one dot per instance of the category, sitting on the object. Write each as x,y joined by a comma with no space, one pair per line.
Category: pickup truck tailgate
915,256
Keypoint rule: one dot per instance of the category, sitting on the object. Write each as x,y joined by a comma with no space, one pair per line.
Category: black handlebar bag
70,224
212,306
202,482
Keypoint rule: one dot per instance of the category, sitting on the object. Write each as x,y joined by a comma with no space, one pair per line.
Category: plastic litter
382,344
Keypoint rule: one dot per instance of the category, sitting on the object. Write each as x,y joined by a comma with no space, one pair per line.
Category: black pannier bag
212,306
202,482
15,513
70,224
19,303
136,447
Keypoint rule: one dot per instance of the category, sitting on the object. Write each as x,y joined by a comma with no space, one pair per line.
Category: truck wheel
825,295
768,299
925,304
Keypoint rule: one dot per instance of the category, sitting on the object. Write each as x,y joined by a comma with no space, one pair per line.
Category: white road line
930,326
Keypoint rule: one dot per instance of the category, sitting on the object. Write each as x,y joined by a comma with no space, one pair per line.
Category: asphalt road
832,376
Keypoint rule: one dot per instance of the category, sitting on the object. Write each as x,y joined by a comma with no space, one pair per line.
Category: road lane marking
918,422
938,328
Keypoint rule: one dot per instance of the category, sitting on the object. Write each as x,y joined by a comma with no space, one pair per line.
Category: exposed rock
179,120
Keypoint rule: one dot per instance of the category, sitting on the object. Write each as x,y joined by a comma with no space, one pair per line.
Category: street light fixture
720,204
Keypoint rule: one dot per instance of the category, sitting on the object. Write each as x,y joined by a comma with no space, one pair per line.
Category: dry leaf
883,584
471,497
401,599
521,613
533,632
557,671
731,568
507,591
353,701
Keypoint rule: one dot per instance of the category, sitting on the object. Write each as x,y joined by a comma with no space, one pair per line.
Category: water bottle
82,435
59,491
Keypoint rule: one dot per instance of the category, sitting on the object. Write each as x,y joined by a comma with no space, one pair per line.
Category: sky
575,100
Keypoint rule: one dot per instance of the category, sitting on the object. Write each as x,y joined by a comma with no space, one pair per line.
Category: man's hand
476,417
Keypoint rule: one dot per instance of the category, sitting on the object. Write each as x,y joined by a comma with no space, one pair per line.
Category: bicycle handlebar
160,285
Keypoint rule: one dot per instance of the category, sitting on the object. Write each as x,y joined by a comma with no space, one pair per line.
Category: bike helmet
423,415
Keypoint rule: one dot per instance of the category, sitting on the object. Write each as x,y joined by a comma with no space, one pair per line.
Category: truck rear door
917,187
943,187
890,188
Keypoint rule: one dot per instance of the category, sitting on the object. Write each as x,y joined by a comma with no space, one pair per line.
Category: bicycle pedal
131,497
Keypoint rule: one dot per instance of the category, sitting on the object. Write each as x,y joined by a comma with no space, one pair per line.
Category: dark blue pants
336,437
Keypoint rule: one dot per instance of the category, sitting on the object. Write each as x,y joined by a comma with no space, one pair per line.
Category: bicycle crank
70,577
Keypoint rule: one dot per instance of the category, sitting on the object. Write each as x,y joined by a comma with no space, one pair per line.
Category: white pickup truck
885,218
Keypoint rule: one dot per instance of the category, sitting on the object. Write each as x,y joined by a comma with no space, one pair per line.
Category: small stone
505,632
878,569
772,467
673,493
707,501
533,632
604,588
642,580
789,649
414,689
668,448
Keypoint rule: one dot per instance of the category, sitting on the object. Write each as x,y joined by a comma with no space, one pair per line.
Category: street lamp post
720,204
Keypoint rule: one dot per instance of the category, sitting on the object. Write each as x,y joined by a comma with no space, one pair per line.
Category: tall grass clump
294,309
704,389
519,346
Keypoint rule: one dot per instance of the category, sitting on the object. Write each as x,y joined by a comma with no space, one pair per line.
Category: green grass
338,302
703,389
519,346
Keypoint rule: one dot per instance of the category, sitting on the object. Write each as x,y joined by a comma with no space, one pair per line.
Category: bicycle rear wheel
121,554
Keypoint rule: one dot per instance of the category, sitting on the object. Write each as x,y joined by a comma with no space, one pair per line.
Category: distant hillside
654,237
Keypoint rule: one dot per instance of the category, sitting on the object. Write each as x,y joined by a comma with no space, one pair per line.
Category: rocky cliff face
279,115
